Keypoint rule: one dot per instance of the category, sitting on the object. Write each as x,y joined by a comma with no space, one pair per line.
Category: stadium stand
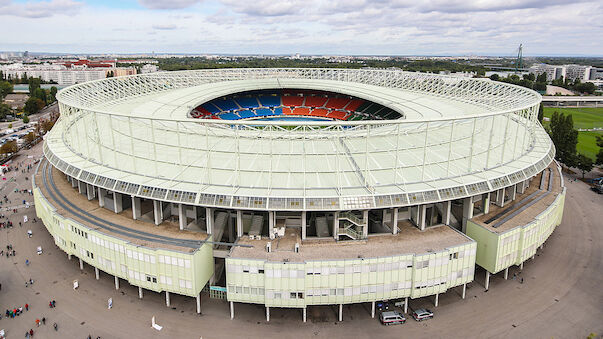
226,104
211,108
270,101
293,101
315,101
244,114
337,103
248,102
320,112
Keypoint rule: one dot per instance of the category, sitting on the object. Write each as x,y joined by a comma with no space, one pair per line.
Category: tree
5,110
9,147
494,77
584,164
540,86
600,154
585,87
540,113
25,119
33,105
541,78
53,94
5,89
30,137
564,136
34,83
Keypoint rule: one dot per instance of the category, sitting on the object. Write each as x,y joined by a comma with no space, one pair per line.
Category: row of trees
565,138
44,125
38,97
577,85
537,83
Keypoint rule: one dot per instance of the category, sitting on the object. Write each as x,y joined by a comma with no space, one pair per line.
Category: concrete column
487,283
464,290
209,219
167,298
467,212
96,273
336,225
437,299
394,221
181,216
372,309
521,266
139,292
231,310
267,313
447,210
101,197
383,217
271,224
81,264
69,256
157,211
521,187
422,214
90,191
73,182
304,314
541,246
136,209
117,202
80,187
500,197
303,225
365,220
239,223
486,203
513,192
340,312
406,305
116,283
198,303
506,273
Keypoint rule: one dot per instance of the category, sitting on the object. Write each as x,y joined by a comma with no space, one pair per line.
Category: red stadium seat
287,111
301,111
315,101
319,112
339,115
337,103
354,104
292,101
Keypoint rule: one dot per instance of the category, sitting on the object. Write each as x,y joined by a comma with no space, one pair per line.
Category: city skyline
357,27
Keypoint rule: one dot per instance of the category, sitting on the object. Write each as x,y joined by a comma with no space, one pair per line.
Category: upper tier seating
315,101
301,111
339,115
244,114
337,103
248,102
226,105
292,101
354,104
229,116
211,108
270,101
319,112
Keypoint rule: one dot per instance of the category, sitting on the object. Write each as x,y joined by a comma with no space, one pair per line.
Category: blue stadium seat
270,101
246,114
226,105
211,108
278,111
246,102
261,112
229,116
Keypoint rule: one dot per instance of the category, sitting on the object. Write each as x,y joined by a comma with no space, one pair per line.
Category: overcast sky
384,27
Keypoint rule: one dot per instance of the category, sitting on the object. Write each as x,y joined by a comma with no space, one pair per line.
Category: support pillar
486,203
447,210
96,273
521,266
271,224
181,216
198,303
81,264
406,305
467,212
437,299
116,283
167,298
487,283
336,225
506,273
464,290
304,314
90,191
209,219
239,223
500,197
157,211
117,202
340,312
69,256
522,187
365,221
513,192
267,313
139,292
373,309
136,209
303,225
80,187
394,221
231,310
423,215
101,197
73,182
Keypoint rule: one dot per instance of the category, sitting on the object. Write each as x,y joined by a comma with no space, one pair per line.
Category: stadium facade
298,187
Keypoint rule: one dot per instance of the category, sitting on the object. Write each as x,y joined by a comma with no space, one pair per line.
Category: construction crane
519,60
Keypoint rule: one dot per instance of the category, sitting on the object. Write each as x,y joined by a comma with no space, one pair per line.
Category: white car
422,314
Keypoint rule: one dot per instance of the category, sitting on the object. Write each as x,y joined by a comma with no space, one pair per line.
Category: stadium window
300,295
293,295
261,271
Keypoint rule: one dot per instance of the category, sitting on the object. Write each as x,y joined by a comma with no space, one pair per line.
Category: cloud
40,9
168,4
165,27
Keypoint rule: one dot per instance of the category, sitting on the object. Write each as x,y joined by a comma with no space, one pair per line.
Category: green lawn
583,118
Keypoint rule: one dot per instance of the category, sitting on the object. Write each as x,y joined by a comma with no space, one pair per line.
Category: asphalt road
561,297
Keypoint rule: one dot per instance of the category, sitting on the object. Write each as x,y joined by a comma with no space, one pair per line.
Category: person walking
31,332
27,307
38,322
43,320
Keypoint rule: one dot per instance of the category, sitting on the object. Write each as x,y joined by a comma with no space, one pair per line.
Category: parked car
422,314
598,189
392,318
383,305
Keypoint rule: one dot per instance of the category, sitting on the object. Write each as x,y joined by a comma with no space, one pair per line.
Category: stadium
294,188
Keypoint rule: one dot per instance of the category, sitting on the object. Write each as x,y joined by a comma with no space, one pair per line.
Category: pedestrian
50,304
31,332
54,303
38,322
44,320
27,307
55,326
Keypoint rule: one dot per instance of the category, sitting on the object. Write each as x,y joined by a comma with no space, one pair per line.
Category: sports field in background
586,118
